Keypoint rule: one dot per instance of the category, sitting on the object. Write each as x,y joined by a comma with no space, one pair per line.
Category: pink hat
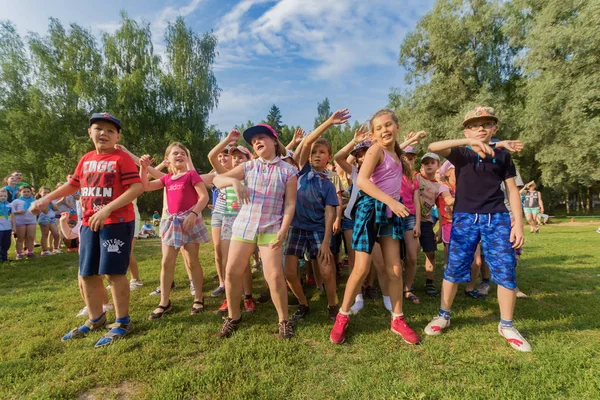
241,149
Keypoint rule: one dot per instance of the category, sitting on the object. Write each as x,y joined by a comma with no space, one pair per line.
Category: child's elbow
137,188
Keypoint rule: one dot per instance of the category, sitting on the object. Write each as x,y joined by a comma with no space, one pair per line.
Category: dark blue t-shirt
315,192
478,180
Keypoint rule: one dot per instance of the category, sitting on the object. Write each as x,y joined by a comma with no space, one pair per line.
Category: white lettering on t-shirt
175,186
96,192
99,166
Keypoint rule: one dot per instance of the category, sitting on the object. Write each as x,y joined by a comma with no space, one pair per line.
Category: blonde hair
406,168
168,151
39,194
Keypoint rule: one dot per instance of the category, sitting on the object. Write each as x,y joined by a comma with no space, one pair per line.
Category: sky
291,53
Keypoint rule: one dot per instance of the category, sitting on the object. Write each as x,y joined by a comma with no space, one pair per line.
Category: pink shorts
446,228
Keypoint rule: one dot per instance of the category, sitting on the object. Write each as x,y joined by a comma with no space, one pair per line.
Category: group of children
286,204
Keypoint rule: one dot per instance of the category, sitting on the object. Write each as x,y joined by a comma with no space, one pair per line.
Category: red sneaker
339,327
249,305
223,308
400,327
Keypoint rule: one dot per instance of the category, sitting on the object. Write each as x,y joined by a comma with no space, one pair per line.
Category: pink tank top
388,178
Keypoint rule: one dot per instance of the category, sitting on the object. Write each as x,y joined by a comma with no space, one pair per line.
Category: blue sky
292,53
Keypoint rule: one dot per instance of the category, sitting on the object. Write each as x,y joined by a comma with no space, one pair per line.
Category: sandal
78,334
197,310
430,289
114,333
163,311
474,294
411,296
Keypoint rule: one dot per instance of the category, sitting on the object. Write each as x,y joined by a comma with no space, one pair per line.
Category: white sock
397,315
222,284
387,302
359,303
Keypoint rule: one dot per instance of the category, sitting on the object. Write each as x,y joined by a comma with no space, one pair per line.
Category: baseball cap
410,150
105,117
241,149
260,128
431,155
480,112
365,144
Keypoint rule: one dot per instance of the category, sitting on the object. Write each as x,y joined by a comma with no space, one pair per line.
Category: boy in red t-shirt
109,181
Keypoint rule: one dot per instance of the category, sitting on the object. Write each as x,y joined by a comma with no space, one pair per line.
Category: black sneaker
474,294
333,312
301,312
229,325
286,330
265,296
430,289
372,293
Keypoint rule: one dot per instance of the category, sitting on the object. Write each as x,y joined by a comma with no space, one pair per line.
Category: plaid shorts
173,235
299,240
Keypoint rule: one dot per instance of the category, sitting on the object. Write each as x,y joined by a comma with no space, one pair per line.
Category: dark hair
406,168
322,142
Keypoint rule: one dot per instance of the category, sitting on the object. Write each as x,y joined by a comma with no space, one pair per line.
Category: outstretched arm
213,155
443,147
341,157
337,118
296,139
145,162
412,138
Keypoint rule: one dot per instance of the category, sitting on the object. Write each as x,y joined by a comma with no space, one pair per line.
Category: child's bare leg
119,287
506,301
362,264
20,241
92,287
390,249
430,264
45,230
237,263
327,271
30,237
55,237
167,275
219,264
475,269
133,264
316,273
271,259
410,264
247,281
348,237
190,254
292,278
448,294
381,270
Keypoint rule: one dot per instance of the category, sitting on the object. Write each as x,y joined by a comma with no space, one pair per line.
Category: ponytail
406,168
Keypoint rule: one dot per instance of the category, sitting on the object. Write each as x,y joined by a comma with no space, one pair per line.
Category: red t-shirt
181,193
102,178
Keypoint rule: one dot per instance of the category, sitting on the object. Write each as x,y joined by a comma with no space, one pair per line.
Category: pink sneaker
337,332
400,327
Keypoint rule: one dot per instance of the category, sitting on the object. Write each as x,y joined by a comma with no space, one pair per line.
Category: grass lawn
180,356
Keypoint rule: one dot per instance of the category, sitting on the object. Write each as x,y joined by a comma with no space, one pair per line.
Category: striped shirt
266,184
232,207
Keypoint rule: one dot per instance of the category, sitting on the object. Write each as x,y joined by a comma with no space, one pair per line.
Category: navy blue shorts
105,252
427,238
335,245
300,240
494,232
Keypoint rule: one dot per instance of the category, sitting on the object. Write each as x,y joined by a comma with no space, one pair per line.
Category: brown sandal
412,297
163,311
197,310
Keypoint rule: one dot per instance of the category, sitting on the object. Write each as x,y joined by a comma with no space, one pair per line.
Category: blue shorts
335,245
45,220
409,222
105,252
427,238
299,240
494,232
347,224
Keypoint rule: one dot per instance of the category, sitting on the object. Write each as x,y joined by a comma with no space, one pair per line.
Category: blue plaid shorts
493,230
299,240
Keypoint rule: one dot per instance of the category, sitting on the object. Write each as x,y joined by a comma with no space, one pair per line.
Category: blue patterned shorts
299,240
493,230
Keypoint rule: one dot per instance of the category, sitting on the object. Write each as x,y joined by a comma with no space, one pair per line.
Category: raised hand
414,137
146,161
340,117
513,146
233,137
361,134
481,148
298,135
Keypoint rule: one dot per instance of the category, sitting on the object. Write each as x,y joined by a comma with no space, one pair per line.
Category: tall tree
274,118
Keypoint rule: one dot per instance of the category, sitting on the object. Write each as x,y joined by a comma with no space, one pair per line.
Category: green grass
180,357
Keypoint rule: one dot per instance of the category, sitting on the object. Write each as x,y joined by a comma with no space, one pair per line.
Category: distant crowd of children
284,207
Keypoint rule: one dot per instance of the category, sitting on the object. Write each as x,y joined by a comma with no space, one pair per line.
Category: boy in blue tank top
480,215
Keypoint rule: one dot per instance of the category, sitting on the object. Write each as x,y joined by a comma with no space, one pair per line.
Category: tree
274,118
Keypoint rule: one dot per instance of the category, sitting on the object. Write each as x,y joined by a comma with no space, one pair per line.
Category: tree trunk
568,203
588,200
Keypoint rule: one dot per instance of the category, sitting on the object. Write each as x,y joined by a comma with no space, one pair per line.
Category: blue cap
105,117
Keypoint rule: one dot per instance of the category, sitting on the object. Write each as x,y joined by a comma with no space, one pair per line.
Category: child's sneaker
57,251
155,292
337,334
358,305
301,312
228,327
218,291
514,338
399,327
474,294
107,307
135,284
46,253
286,330
249,305
484,288
521,295
19,256
223,308
117,331
30,254
437,325
83,312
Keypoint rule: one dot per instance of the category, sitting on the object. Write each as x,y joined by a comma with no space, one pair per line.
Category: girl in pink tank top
378,217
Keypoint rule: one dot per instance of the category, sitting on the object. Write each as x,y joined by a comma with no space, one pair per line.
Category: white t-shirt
353,194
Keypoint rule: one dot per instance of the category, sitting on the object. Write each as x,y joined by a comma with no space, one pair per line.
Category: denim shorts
347,224
409,222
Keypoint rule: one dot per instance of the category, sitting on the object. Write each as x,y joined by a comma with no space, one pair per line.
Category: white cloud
336,35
